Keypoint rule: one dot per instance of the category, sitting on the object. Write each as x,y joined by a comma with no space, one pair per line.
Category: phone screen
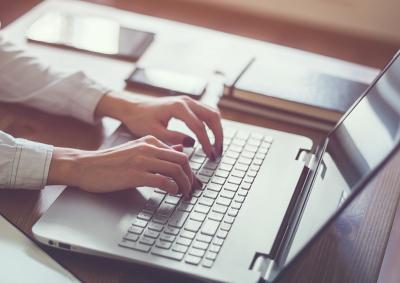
90,33
167,81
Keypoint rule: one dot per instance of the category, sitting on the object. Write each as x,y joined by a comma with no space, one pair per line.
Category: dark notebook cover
297,89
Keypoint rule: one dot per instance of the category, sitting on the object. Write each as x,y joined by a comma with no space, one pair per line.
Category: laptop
268,196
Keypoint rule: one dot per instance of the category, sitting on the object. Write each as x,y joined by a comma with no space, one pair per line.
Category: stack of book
294,93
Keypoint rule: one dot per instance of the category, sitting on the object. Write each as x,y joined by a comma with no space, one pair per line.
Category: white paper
21,260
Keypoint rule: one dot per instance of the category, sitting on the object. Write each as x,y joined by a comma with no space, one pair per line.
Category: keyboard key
207,263
254,142
160,219
222,173
210,227
234,180
238,173
242,192
223,201
229,219
248,154
236,205
199,151
167,237
196,193
239,199
231,187
211,255
220,208
192,259
222,234
214,187
151,234
188,234
163,244
245,186
171,254
140,223
159,191
235,148
258,161
227,194
228,161
206,172
155,226
225,226
204,238
232,154
194,165
242,135
203,179
250,148
238,142
185,207
218,180
155,200
211,165
135,246
215,216
178,219
196,252
131,237
206,201
192,225
198,158
241,167
248,179
147,241
184,241
135,230
180,248
218,241
171,231
172,200
210,194
165,209
244,160
144,216
252,173
226,167
202,208
200,245
198,216
215,248
190,201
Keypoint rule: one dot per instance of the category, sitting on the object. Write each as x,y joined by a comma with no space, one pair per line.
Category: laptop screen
361,141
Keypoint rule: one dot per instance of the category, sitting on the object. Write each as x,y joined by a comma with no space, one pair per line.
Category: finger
184,113
171,170
158,181
174,137
213,120
178,147
178,158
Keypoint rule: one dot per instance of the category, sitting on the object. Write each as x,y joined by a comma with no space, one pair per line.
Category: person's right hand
143,162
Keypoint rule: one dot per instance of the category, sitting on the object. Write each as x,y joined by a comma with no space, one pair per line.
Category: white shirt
25,164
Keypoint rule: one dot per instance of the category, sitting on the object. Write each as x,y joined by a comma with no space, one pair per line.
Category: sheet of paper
21,260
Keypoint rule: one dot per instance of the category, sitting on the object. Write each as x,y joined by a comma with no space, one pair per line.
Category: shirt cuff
31,165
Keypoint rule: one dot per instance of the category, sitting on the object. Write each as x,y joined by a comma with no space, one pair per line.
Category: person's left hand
152,117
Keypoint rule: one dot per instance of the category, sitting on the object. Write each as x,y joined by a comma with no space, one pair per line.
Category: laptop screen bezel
358,188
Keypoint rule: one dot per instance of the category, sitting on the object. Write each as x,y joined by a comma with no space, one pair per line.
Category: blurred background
360,31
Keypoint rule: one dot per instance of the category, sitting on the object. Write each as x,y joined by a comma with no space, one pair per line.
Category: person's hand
143,162
152,117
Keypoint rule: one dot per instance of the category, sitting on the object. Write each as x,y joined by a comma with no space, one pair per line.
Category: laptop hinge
307,157
264,265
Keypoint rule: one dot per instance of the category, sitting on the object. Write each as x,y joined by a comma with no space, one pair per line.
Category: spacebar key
167,253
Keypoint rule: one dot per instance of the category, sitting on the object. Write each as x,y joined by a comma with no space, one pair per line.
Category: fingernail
213,155
188,142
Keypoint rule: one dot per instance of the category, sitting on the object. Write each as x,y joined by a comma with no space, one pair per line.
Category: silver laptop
262,202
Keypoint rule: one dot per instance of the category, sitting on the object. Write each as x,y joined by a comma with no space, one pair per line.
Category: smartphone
165,82
92,34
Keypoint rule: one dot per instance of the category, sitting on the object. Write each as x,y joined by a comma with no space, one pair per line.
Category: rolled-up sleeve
23,79
23,164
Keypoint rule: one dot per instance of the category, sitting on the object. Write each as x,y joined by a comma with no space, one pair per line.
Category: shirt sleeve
23,79
23,164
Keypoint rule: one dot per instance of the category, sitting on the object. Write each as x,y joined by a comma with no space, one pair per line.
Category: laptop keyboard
194,230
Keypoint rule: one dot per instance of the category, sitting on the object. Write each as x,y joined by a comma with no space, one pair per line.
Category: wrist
64,167
114,106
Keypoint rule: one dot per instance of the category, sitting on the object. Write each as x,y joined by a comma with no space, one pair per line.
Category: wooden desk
350,251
